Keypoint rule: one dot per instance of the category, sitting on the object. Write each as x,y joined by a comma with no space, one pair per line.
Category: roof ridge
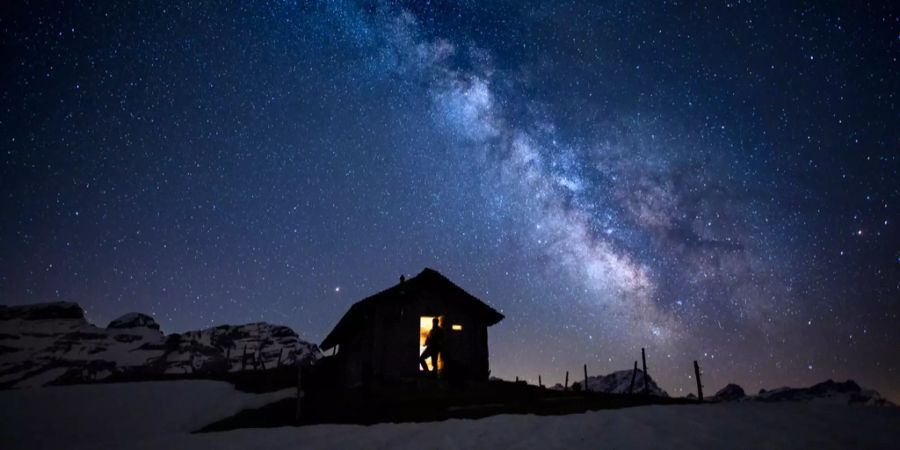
420,281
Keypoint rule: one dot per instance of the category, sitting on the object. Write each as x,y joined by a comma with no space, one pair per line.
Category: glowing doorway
425,325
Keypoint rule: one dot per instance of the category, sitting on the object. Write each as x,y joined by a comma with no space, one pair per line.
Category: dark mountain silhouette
829,391
730,393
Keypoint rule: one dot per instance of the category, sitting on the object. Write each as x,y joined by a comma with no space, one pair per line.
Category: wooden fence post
585,378
644,360
699,385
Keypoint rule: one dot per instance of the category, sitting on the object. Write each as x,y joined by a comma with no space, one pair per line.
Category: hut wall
386,348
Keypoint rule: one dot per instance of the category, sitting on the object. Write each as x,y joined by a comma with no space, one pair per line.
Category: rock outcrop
619,383
53,343
730,393
829,391
134,320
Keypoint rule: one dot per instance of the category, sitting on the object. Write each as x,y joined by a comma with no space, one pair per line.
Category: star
643,192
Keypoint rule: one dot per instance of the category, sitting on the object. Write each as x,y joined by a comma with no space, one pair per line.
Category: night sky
714,181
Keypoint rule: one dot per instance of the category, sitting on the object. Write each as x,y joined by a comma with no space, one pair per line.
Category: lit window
457,327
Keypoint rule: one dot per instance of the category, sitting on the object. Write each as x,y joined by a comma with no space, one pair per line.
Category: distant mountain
730,393
619,383
842,393
829,391
53,343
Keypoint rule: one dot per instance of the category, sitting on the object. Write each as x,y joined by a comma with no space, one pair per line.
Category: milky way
526,168
715,183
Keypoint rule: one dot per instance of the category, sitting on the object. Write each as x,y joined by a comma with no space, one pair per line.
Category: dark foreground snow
161,415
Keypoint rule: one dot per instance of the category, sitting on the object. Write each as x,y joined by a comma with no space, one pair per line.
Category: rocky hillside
620,382
841,393
845,393
53,343
730,393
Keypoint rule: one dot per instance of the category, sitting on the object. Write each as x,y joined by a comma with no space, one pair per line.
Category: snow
620,382
42,378
40,339
708,426
827,392
160,415
134,320
118,415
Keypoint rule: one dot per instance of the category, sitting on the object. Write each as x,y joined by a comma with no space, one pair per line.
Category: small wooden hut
379,340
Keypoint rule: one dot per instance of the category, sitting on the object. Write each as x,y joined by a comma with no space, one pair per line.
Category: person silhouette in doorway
434,346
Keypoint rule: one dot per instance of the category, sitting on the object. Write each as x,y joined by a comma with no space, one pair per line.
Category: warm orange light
457,327
425,323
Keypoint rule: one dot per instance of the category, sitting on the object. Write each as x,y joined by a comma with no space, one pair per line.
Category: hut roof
429,280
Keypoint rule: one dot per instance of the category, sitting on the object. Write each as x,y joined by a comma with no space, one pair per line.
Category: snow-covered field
161,414
118,415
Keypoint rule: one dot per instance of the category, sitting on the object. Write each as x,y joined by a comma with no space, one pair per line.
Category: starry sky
713,181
